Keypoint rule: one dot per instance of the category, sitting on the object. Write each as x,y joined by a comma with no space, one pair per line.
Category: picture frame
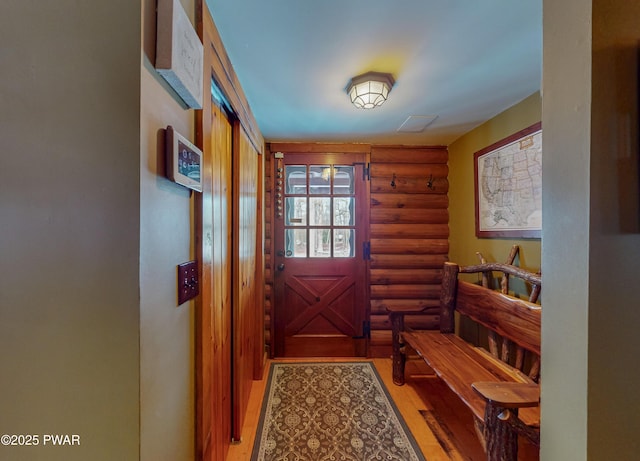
179,53
183,160
508,186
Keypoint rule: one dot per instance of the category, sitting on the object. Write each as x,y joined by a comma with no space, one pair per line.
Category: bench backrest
514,319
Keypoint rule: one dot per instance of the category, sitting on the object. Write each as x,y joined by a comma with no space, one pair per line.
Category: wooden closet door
247,342
213,316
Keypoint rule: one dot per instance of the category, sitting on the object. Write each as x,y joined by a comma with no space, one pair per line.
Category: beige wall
565,208
167,373
91,340
614,305
590,397
70,227
463,242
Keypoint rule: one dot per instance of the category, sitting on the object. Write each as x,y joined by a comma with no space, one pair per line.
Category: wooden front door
321,222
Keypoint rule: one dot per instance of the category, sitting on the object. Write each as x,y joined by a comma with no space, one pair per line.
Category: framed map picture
508,186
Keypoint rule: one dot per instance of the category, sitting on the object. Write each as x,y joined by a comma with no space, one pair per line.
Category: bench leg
500,437
398,357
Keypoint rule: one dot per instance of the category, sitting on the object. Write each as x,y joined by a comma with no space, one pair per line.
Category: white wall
69,227
591,243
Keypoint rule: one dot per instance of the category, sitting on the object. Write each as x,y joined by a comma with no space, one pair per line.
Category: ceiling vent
416,123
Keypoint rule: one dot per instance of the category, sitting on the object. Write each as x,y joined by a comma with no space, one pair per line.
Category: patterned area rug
330,411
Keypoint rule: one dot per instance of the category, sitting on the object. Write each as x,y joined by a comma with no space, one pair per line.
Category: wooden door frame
217,67
260,357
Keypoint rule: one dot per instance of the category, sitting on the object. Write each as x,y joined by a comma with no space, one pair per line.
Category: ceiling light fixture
370,90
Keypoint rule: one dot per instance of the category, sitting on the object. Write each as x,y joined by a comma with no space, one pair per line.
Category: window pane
295,243
320,179
343,180
343,243
319,243
343,211
319,211
295,209
296,179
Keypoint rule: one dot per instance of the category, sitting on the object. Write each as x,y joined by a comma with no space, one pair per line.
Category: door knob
281,267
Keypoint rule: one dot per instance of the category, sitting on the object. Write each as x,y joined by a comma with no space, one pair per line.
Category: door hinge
366,251
366,172
366,331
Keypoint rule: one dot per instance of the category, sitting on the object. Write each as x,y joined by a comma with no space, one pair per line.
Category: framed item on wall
508,186
184,160
179,53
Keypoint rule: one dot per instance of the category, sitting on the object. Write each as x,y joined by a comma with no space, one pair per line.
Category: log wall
409,234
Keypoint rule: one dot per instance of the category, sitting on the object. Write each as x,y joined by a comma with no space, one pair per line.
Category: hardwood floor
423,398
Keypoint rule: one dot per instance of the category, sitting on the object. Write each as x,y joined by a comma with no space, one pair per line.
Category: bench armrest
396,316
509,395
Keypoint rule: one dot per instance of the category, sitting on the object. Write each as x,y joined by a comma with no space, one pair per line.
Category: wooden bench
502,397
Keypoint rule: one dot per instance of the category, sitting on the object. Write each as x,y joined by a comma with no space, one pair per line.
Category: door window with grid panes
320,210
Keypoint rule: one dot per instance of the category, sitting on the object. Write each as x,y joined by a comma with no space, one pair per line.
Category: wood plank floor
424,403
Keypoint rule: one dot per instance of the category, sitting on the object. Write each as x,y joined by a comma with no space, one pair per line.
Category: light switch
188,281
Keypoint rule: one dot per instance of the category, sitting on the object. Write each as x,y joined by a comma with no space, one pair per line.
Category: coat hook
430,185
393,181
